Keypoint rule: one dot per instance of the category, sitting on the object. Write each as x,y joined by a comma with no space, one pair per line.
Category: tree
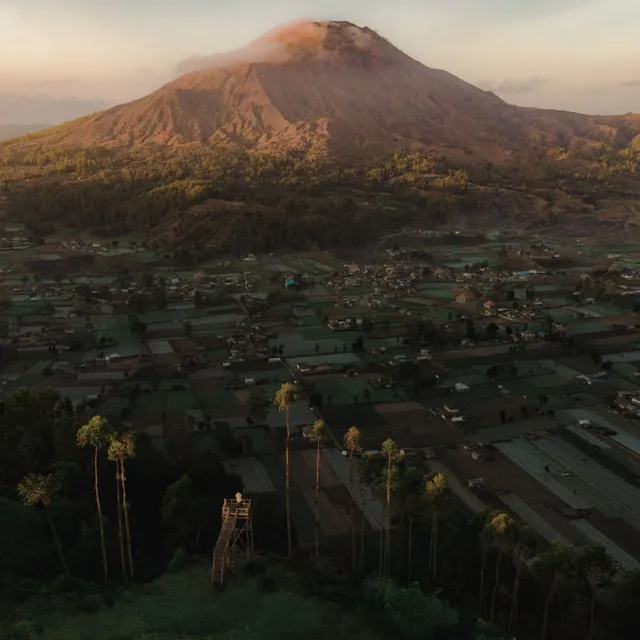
523,549
436,492
352,445
484,630
500,529
226,439
28,422
410,614
486,541
392,454
624,603
94,434
492,330
122,448
37,489
285,397
182,511
318,435
555,571
258,407
409,504
597,568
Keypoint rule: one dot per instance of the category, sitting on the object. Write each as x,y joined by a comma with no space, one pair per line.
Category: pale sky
63,58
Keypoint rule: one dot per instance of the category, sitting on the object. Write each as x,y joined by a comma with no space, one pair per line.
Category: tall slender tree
352,445
501,528
597,569
285,397
556,572
122,448
523,549
94,434
391,452
409,505
37,489
436,492
123,560
318,435
486,541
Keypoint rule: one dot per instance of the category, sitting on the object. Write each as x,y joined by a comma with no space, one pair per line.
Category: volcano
328,89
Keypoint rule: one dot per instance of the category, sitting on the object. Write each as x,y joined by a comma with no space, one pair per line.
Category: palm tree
285,397
352,445
409,504
486,541
391,452
37,489
94,434
436,492
555,570
122,448
120,524
597,568
524,546
318,435
500,529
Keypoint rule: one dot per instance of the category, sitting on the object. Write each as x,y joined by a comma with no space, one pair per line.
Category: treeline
518,582
118,193
107,506
251,202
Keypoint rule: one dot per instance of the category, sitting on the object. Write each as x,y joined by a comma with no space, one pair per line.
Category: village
512,366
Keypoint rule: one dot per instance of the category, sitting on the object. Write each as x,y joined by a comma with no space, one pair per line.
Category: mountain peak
326,89
304,40
323,40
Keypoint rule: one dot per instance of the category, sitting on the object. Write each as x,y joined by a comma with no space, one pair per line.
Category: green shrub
22,630
62,584
266,583
254,567
90,603
177,560
21,590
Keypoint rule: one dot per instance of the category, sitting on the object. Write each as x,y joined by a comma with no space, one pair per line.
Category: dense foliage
247,202
116,192
240,202
103,509
44,466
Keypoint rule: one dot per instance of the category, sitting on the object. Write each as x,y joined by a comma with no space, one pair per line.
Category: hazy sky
63,58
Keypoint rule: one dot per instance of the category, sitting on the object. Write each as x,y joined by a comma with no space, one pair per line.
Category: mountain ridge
8,131
333,89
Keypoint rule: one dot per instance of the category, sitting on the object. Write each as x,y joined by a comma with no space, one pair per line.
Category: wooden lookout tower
235,539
